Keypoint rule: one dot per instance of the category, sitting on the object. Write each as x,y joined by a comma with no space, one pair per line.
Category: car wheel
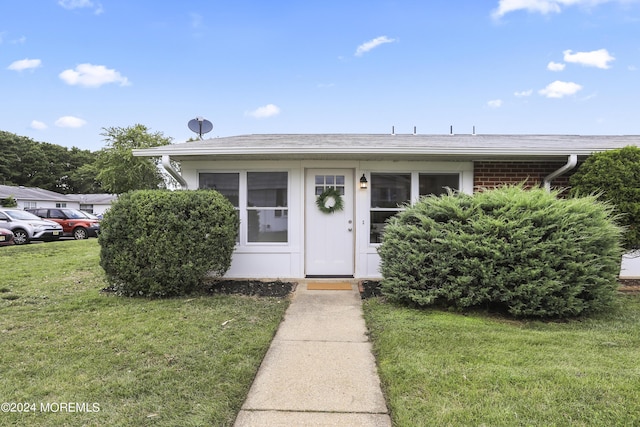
80,233
20,237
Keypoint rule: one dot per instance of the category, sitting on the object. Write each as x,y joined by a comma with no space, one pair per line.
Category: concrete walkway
319,370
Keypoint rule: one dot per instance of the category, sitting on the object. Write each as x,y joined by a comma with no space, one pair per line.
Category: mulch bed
369,289
629,286
258,288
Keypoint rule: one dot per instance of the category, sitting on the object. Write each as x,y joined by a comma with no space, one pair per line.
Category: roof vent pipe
393,130
572,161
474,131
451,130
414,130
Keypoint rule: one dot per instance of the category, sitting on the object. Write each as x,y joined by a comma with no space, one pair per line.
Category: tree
8,202
118,170
614,174
24,161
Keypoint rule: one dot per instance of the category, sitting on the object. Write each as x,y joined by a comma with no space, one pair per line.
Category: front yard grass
447,369
121,361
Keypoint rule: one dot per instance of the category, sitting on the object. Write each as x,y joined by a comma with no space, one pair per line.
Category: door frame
350,207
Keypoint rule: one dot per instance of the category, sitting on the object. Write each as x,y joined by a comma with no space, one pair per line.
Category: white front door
329,247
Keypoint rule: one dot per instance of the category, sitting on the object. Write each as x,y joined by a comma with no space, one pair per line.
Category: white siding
286,260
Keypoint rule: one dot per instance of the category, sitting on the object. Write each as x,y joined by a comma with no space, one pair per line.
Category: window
389,193
30,205
57,214
267,210
86,208
437,183
227,184
260,198
61,205
329,181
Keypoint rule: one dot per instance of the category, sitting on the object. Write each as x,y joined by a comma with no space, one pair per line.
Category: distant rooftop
19,192
31,193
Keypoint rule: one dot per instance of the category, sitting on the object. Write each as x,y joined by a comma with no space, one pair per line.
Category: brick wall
491,174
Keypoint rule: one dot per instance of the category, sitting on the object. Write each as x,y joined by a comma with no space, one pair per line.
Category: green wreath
330,201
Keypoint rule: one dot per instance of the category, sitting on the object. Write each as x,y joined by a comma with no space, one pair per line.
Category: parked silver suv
27,227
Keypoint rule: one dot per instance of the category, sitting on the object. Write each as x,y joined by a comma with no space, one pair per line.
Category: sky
71,68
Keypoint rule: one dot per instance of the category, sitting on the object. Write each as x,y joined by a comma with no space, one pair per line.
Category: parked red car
6,237
74,223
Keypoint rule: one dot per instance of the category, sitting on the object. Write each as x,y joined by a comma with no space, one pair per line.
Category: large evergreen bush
615,175
525,252
163,243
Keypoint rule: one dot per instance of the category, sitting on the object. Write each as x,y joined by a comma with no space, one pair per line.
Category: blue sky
69,68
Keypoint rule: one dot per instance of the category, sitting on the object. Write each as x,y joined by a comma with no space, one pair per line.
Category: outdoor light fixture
363,182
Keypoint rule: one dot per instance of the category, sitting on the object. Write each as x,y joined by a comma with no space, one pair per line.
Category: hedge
615,175
528,253
159,243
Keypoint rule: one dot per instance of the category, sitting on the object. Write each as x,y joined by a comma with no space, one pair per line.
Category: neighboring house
96,204
31,197
274,182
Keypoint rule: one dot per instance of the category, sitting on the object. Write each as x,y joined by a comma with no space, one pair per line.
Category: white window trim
243,208
415,191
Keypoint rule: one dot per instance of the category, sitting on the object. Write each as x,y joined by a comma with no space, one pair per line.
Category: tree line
113,169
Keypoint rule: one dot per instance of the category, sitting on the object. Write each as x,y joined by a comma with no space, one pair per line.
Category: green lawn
447,369
131,362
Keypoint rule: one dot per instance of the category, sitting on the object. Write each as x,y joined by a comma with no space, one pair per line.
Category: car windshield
24,215
90,216
74,214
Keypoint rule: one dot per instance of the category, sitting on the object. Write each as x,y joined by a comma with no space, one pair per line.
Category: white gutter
571,163
166,163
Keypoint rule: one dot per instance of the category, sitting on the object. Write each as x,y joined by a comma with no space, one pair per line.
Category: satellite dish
200,126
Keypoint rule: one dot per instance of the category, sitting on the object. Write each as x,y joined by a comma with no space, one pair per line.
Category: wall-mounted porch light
363,182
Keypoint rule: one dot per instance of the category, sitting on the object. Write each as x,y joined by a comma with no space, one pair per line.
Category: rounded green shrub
524,252
614,174
158,243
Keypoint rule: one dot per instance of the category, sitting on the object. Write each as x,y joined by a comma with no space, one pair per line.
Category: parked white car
27,227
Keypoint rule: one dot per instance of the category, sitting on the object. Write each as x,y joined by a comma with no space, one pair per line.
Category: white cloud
25,64
372,44
495,103
560,89
523,93
35,124
89,75
70,122
545,6
268,110
555,66
81,4
597,58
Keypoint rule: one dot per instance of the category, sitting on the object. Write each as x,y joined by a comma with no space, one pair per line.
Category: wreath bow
330,201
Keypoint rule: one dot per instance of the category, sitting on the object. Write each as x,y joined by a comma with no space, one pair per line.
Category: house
275,181
33,197
96,204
